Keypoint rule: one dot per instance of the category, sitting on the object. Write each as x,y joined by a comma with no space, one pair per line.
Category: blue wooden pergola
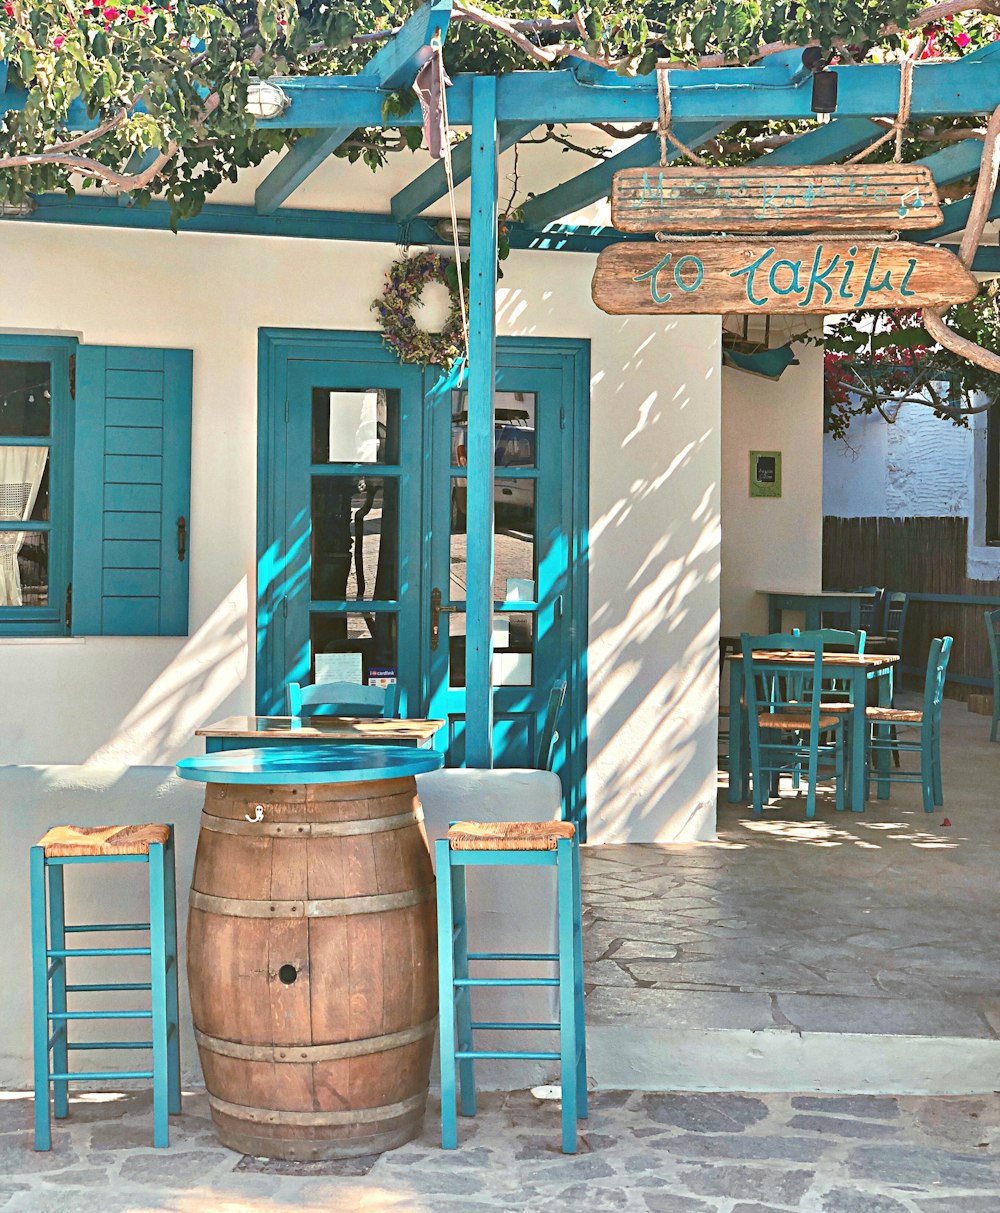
501,111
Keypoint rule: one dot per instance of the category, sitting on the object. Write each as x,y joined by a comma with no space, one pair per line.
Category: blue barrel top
310,764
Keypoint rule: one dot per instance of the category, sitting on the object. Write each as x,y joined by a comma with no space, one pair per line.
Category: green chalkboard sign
765,473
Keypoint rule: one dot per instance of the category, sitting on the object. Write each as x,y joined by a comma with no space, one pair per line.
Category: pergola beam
393,66
432,183
826,143
724,95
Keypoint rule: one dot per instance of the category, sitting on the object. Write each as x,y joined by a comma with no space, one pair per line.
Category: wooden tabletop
323,728
310,764
868,661
819,593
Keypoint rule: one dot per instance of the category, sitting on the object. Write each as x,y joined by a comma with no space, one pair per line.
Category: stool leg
463,995
578,992
40,998
173,1011
446,994
57,939
158,981
567,993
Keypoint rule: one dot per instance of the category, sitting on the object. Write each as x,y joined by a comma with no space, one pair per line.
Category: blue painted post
568,1063
481,432
40,992
173,1007
158,981
582,1110
57,935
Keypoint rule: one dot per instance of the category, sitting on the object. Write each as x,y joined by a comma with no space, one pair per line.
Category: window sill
4,640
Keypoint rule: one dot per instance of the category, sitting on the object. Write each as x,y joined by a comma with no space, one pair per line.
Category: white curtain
21,469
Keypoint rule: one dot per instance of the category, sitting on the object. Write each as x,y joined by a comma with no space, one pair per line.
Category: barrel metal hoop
314,1053
327,907
311,829
348,1116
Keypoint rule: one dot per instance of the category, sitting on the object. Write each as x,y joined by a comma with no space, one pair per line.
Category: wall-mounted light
18,210
265,99
463,230
824,93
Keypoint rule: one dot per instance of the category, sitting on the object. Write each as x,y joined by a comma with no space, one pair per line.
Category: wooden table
814,603
239,732
853,668
311,944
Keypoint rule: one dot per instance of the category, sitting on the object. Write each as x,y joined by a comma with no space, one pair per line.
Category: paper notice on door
338,667
520,589
512,669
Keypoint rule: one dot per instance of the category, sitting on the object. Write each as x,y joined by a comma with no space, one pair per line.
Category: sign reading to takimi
815,198
711,276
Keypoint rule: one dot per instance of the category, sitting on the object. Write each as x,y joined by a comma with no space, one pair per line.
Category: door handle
436,611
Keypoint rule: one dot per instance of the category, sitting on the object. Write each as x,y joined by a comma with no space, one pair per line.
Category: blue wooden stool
63,846
534,844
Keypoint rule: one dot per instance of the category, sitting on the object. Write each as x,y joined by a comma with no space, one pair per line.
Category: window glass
350,646
513,648
24,568
513,540
355,525
355,426
25,399
515,429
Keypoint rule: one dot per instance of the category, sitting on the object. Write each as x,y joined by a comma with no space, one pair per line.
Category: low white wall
771,543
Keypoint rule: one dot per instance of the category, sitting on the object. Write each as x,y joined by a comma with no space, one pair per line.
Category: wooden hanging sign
708,276
814,198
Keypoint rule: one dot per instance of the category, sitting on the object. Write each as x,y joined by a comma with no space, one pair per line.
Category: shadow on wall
209,668
653,655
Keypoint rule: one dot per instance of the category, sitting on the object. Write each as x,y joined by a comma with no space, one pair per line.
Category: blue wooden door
532,531
346,539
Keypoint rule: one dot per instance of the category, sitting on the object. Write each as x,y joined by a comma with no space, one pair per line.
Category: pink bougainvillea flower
8,8
962,39
58,41
130,13
111,13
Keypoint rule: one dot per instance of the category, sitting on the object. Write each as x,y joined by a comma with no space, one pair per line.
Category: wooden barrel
312,966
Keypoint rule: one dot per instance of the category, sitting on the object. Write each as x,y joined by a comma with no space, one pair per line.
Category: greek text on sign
816,198
709,276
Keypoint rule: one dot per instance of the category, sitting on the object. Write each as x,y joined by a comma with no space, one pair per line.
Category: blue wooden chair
548,737
62,847
992,620
885,723
546,844
341,699
787,720
887,636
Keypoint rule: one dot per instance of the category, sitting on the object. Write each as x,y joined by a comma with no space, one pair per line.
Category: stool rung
99,987
513,956
107,926
495,1054
502,1025
99,952
57,1015
111,1044
94,1075
506,981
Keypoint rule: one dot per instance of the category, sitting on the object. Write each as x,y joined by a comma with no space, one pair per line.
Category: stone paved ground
644,1152
886,921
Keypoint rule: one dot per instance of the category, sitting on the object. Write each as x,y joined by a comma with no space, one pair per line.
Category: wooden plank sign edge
760,199
709,276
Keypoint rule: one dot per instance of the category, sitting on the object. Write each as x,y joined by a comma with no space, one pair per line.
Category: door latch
436,611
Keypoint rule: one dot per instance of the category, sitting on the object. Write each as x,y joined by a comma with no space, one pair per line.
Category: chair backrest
934,680
837,639
341,699
894,618
548,737
873,612
772,689
992,621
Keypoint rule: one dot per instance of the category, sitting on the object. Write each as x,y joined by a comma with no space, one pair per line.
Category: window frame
59,353
992,520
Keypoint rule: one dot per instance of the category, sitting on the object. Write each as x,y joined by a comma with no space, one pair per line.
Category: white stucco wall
102,708
771,543
919,467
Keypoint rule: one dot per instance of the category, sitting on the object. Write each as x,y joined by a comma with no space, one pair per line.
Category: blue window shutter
132,476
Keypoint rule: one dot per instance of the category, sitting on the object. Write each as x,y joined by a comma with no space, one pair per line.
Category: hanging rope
663,123
437,47
898,129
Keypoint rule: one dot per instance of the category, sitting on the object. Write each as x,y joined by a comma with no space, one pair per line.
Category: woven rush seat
794,720
897,715
67,841
509,835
